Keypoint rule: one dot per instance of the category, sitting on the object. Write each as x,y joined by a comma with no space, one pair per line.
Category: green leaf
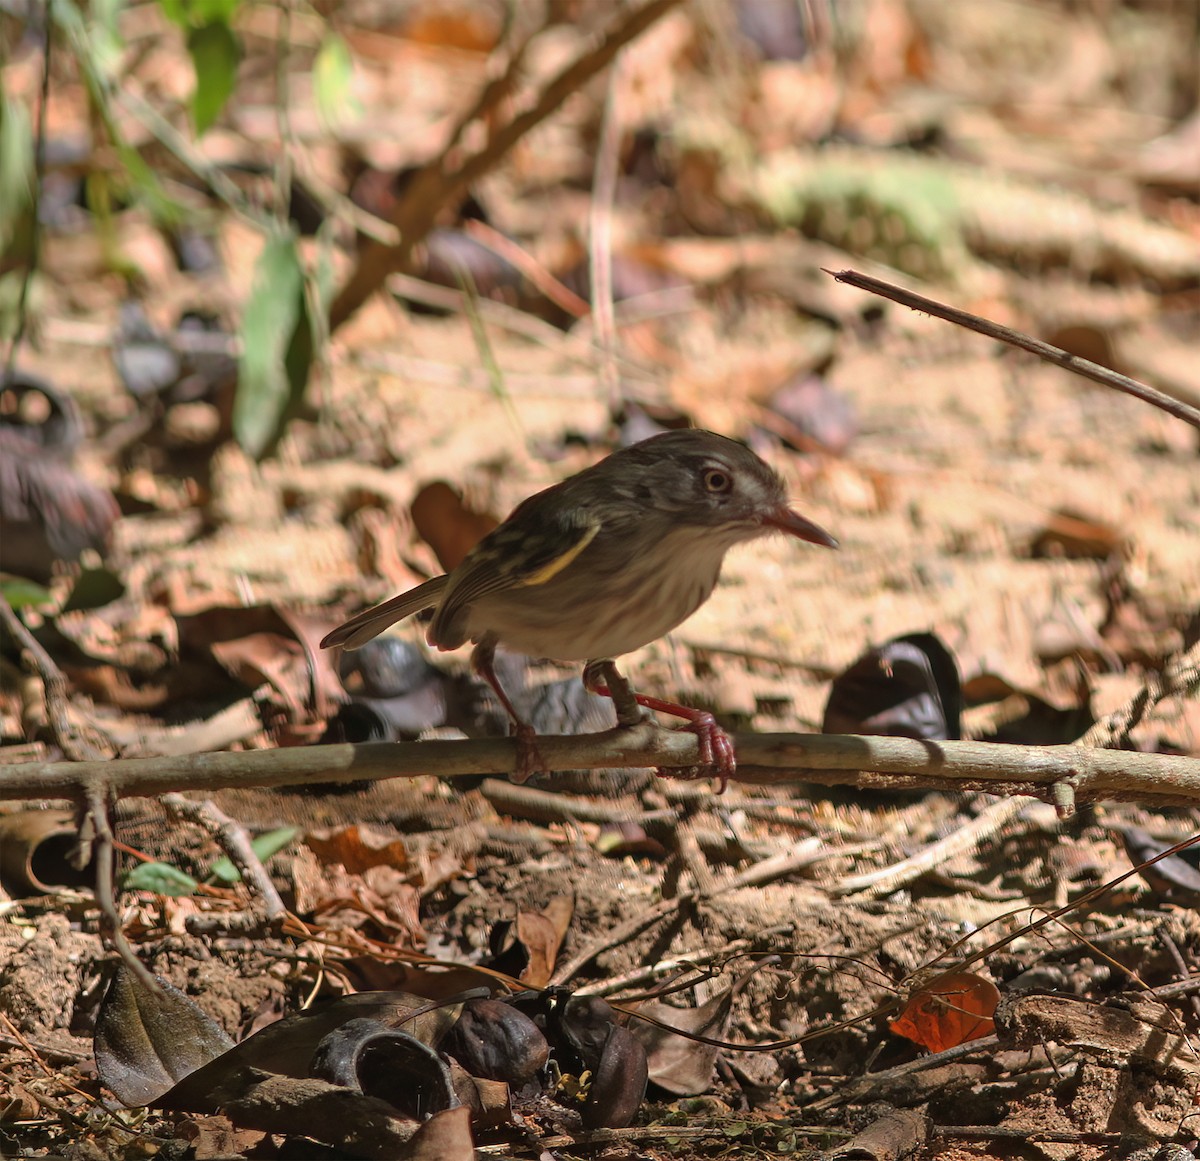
16,167
196,13
21,593
333,72
174,11
265,845
215,53
161,878
276,348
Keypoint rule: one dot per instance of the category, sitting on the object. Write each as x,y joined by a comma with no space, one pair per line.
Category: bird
601,564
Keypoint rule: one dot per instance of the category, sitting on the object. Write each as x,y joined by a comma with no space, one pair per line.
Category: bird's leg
716,747
605,679
529,758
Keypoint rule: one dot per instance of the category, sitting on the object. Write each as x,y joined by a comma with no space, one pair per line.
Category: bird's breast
603,607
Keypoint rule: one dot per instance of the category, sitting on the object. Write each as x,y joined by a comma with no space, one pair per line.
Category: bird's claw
529,757
716,752
716,747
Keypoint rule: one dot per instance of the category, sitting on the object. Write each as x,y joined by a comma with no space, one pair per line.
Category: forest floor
1031,162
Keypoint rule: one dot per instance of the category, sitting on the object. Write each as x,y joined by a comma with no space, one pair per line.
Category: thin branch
509,318
802,854
873,884
765,759
436,186
104,861
1179,677
235,843
1055,355
54,686
559,294
600,214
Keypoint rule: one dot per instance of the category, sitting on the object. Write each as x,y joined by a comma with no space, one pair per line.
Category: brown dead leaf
466,29
358,848
1075,536
380,897
444,1137
541,933
215,1136
270,658
447,525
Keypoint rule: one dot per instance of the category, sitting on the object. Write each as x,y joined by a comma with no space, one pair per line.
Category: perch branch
772,759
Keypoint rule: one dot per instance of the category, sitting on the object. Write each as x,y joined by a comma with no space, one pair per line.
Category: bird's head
706,481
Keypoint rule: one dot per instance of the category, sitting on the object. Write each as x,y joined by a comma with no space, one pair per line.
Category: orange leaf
948,1011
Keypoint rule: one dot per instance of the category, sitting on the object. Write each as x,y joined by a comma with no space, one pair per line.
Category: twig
1055,355
548,806
105,864
518,322
54,684
668,1136
859,1086
234,842
1181,966
1180,677
600,211
679,961
561,295
803,854
886,880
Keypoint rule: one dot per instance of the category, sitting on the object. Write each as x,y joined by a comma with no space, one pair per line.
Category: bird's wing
357,631
520,553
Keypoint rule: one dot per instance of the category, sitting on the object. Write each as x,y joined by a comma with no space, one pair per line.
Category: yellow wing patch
543,574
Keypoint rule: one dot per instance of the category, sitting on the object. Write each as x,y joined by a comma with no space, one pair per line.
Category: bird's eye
715,480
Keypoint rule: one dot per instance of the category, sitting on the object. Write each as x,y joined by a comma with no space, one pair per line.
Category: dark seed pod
618,1082
585,1024
383,1062
492,1040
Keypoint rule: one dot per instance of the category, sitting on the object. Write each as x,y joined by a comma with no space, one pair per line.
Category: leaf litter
1042,532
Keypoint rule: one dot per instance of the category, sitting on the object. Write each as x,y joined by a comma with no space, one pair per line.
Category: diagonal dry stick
1051,354
1179,677
437,185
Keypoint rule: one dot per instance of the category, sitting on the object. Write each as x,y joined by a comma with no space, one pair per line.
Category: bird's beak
794,524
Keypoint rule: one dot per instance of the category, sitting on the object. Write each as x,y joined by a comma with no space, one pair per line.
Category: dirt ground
1035,163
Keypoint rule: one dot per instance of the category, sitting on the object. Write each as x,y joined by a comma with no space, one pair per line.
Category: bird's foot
716,747
603,678
529,757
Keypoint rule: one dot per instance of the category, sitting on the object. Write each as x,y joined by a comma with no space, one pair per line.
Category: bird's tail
357,631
